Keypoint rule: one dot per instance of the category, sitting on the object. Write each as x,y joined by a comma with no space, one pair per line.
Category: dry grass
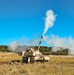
57,65
7,57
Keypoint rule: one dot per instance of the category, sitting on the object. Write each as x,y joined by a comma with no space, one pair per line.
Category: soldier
24,59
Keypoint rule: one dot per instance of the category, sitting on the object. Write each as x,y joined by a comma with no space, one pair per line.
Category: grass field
57,65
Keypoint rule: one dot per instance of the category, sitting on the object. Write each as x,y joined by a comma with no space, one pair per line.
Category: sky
25,19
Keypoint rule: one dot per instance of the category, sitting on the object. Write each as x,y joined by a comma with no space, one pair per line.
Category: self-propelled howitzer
32,55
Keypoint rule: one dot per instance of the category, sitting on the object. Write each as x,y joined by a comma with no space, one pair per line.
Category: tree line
48,50
43,49
4,48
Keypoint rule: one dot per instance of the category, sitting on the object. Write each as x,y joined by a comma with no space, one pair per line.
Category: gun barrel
40,42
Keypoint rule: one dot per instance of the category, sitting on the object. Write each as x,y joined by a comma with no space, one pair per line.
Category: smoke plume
64,42
13,46
49,20
33,41
23,44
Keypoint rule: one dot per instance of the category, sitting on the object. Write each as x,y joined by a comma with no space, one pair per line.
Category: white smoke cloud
49,20
14,45
56,41
34,41
23,40
17,46
23,44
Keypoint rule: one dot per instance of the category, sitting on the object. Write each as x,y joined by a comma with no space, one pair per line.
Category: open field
57,65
